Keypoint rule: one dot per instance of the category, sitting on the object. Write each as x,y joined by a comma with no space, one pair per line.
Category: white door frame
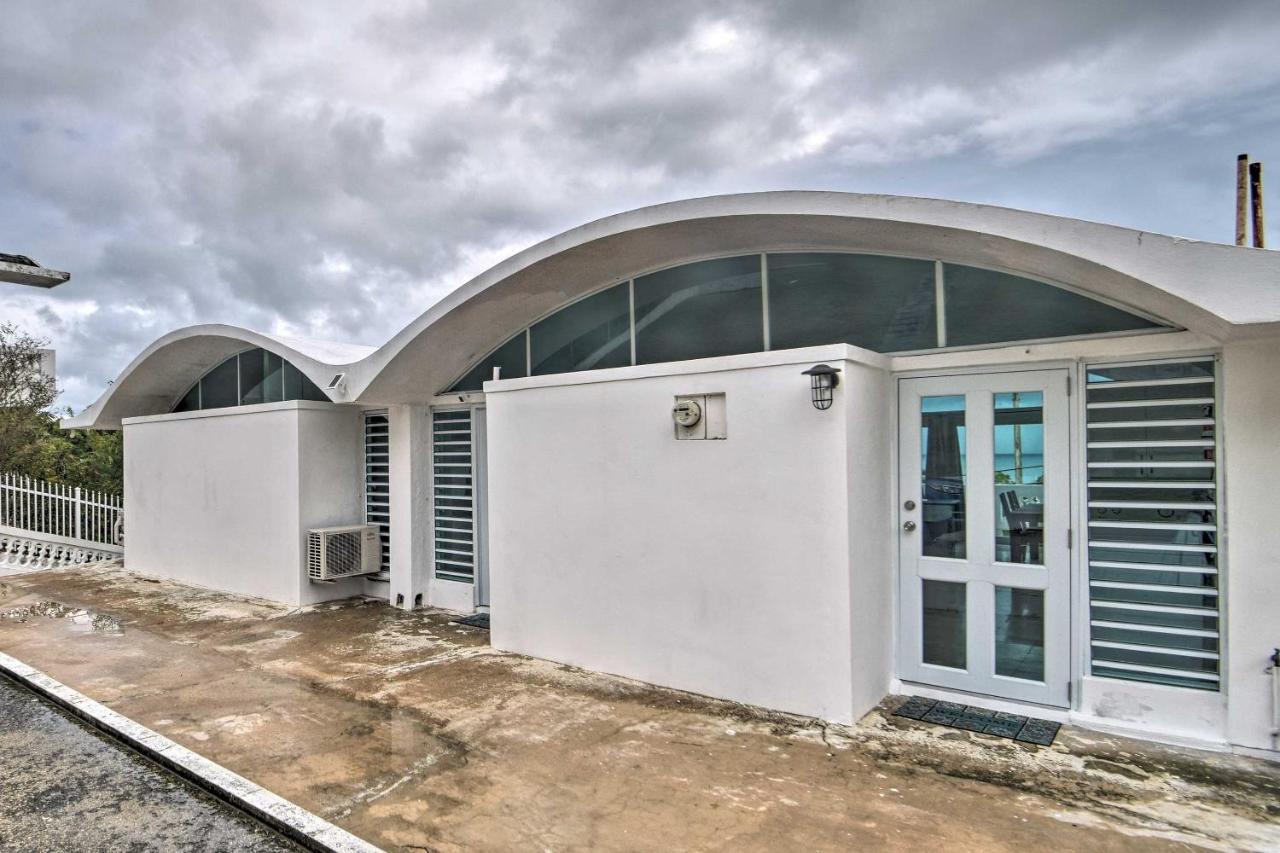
979,569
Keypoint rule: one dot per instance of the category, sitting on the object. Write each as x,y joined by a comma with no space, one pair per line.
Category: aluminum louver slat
1175,505
1151,567
1155,423
1153,521
1147,404
1159,670
1137,647
1124,445
1117,545
1154,629
1191,485
1156,587
1149,383
1143,525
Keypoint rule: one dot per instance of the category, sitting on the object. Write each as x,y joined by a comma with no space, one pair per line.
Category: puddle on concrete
79,619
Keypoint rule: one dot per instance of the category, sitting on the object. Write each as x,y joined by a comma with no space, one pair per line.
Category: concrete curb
292,821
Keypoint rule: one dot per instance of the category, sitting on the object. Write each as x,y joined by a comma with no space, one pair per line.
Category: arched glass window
252,376
589,334
988,307
870,301
718,307
512,357
700,310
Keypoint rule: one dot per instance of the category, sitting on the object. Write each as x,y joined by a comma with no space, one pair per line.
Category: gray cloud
328,170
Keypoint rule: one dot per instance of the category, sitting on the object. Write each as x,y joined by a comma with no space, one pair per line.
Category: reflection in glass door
984,516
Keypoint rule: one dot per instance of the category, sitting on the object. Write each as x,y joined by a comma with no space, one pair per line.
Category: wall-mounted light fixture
823,379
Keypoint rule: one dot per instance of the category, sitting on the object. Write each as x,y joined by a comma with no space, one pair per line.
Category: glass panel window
253,376
700,310
880,303
511,357
292,382
218,388
311,391
190,401
1020,633
273,378
1019,477
944,612
591,333
251,373
942,467
984,306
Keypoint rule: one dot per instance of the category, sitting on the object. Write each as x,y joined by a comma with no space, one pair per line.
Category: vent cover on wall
343,552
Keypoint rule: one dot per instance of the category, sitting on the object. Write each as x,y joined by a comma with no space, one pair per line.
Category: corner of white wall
330,487
1251,410
869,406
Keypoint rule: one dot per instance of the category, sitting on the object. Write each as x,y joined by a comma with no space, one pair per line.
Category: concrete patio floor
416,735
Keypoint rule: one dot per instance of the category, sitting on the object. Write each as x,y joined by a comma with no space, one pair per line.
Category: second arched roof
1214,289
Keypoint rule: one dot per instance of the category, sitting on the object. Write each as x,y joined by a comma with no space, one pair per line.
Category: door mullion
980,478
980,498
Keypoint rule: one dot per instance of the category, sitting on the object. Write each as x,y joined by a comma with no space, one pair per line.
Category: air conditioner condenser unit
343,552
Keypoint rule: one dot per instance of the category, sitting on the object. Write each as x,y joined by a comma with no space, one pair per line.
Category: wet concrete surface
416,735
65,787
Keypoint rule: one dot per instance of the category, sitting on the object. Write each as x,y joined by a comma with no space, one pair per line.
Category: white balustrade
45,524
25,552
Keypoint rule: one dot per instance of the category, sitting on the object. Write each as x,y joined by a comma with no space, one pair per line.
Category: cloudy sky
331,169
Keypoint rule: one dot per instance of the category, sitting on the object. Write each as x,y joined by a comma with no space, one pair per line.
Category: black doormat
969,718
475,620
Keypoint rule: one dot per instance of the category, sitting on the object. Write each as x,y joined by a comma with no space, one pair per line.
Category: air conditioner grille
342,554
339,552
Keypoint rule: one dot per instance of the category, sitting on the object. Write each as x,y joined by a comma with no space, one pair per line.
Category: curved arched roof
1205,287
163,372
1209,288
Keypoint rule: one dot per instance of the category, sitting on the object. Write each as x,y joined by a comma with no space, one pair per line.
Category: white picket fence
44,524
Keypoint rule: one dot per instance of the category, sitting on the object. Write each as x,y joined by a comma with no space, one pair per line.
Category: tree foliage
31,442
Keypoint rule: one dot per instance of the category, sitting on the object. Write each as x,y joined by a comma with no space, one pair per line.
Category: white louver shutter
377,481
1153,522
453,494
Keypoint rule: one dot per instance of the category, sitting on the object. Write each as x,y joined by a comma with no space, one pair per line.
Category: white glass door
983,526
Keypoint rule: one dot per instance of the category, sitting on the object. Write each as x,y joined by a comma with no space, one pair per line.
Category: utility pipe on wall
1242,200
1275,698
1255,181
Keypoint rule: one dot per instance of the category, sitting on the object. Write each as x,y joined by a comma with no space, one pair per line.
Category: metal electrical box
700,416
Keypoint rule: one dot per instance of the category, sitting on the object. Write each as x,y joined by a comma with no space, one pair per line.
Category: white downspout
1274,669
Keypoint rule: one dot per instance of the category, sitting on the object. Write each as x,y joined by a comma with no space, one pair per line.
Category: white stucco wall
409,473
222,499
720,567
1251,417
868,396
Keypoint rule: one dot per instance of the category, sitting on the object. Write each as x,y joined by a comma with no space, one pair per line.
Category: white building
1040,483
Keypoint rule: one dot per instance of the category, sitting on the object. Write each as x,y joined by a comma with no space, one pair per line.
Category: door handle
908,526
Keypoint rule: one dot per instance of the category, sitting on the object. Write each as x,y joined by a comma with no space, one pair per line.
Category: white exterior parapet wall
223,498
751,569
